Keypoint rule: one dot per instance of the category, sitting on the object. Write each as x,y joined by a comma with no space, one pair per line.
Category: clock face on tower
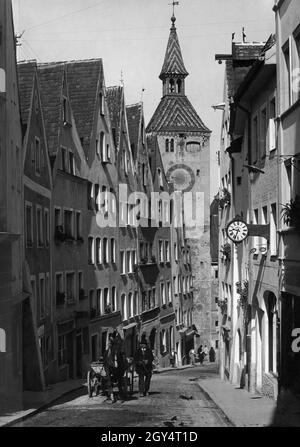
237,230
182,177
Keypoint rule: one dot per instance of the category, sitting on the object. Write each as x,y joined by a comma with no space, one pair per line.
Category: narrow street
172,394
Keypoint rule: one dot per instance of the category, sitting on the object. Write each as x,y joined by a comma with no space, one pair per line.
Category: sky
131,37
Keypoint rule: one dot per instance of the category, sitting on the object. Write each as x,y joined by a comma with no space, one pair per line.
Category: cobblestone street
155,410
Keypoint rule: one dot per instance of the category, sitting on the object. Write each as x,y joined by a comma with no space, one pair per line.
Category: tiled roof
51,83
156,162
26,73
134,115
173,63
114,98
175,113
84,77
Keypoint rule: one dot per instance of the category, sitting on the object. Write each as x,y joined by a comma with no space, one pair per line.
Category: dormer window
103,147
101,104
171,86
172,145
167,145
179,86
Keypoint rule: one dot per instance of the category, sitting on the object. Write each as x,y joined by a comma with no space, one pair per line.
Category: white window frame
113,250
123,262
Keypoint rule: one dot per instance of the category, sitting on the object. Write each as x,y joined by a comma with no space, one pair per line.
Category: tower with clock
183,141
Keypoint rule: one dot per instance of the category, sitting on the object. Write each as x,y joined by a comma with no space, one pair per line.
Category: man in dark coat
143,359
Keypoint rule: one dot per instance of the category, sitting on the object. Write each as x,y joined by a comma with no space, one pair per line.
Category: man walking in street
143,359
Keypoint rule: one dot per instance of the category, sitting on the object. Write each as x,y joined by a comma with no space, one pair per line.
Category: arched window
167,145
136,307
172,145
2,340
124,306
171,86
161,184
179,86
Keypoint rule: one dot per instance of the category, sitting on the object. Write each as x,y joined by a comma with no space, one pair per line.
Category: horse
115,365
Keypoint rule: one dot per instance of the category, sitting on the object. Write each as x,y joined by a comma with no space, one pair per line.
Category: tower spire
173,18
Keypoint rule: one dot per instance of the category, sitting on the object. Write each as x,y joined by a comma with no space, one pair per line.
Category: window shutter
272,134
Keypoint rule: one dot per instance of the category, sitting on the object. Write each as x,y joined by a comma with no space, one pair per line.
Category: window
263,133
167,145
129,261
78,224
91,255
123,262
46,227
104,199
39,226
65,110
99,309
255,140
72,163
272,125
108,152
113,299
163,293
112,201
62,350
70,287
37,156
179,86
169,292
175,252
101,103
98,251
106,300
217,344
64,165
42,297
167,244
133,259
130,304
125,162
68,223
102,146
160,251
164,340
296,91
153,303
216,273
80,285
97,197
172,145
171,86
113,250
216,323
98,146
90,196
124,306
60,296
57,217
105,251
273,230
28,225
216,300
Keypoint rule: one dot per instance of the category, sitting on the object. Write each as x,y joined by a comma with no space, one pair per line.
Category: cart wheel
89,384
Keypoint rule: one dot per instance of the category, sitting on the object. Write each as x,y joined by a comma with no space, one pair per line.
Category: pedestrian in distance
205,350
201,354
192,356
212,355
143,360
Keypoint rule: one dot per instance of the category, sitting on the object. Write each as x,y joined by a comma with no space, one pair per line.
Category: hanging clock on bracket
237,230
182,177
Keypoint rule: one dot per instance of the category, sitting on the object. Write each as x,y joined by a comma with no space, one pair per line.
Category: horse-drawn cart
113,374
